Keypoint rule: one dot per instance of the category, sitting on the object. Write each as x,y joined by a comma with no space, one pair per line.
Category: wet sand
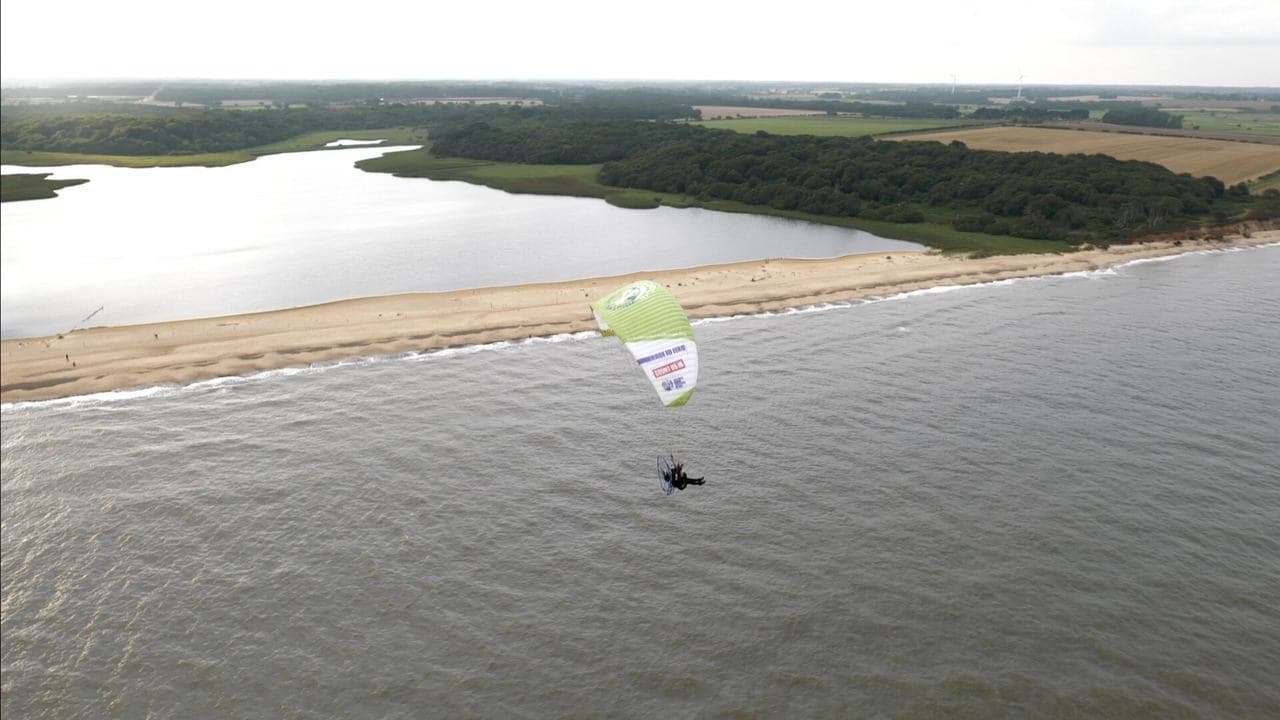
114,358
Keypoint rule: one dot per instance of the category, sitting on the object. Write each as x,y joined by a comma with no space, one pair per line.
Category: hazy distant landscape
633,144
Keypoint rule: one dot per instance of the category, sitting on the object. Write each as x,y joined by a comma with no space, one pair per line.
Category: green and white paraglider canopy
645,316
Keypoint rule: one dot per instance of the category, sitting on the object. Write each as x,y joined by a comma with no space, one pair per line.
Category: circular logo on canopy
629,296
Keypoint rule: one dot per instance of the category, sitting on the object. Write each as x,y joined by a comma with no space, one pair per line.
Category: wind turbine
1020,79
953,83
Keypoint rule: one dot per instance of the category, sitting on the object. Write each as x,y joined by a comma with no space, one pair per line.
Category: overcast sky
1170,42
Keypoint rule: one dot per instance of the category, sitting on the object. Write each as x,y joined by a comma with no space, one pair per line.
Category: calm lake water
302,228
1042,498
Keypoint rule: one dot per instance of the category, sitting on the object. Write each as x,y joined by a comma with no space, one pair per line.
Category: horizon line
53,81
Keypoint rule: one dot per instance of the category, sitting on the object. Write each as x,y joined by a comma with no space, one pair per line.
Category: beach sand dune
180,352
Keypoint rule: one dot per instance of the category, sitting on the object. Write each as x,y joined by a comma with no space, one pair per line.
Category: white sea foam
113,396
1109,271
166,390
90,399
1089,274
1206,251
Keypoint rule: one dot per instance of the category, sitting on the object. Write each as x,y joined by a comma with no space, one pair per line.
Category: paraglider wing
645,316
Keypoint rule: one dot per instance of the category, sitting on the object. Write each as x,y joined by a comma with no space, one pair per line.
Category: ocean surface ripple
1047,498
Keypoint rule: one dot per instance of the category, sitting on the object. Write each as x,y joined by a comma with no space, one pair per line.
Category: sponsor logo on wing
630,296
668,368
660,354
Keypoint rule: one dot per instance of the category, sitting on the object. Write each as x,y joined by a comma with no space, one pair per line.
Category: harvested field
1268,137
717,112
1230,162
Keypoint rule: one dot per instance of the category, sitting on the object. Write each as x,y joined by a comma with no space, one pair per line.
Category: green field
829,125
309,141
580,180
38,158
1263,123
31,186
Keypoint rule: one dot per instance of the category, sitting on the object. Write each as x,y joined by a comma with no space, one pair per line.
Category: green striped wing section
649,321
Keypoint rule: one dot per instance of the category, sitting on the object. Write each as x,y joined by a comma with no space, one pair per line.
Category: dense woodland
1149,117
1034,195
169,133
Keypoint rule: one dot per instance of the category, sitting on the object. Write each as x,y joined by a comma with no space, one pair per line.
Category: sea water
1050,497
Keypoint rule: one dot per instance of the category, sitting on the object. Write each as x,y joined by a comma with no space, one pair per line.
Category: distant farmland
1230,162
826,125
720,112
1263,123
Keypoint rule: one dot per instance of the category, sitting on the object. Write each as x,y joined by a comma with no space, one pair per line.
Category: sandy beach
114,358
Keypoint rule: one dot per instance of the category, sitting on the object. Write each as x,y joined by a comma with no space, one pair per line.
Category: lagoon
158,244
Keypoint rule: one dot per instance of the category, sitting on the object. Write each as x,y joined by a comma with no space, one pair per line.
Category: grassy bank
38,158
32,186
1270,181
310,141
580,180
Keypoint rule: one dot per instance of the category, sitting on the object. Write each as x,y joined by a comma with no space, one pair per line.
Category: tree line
904,110
180,132
1144,116
1028,113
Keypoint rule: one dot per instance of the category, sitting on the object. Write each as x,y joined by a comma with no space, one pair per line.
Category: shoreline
181,352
